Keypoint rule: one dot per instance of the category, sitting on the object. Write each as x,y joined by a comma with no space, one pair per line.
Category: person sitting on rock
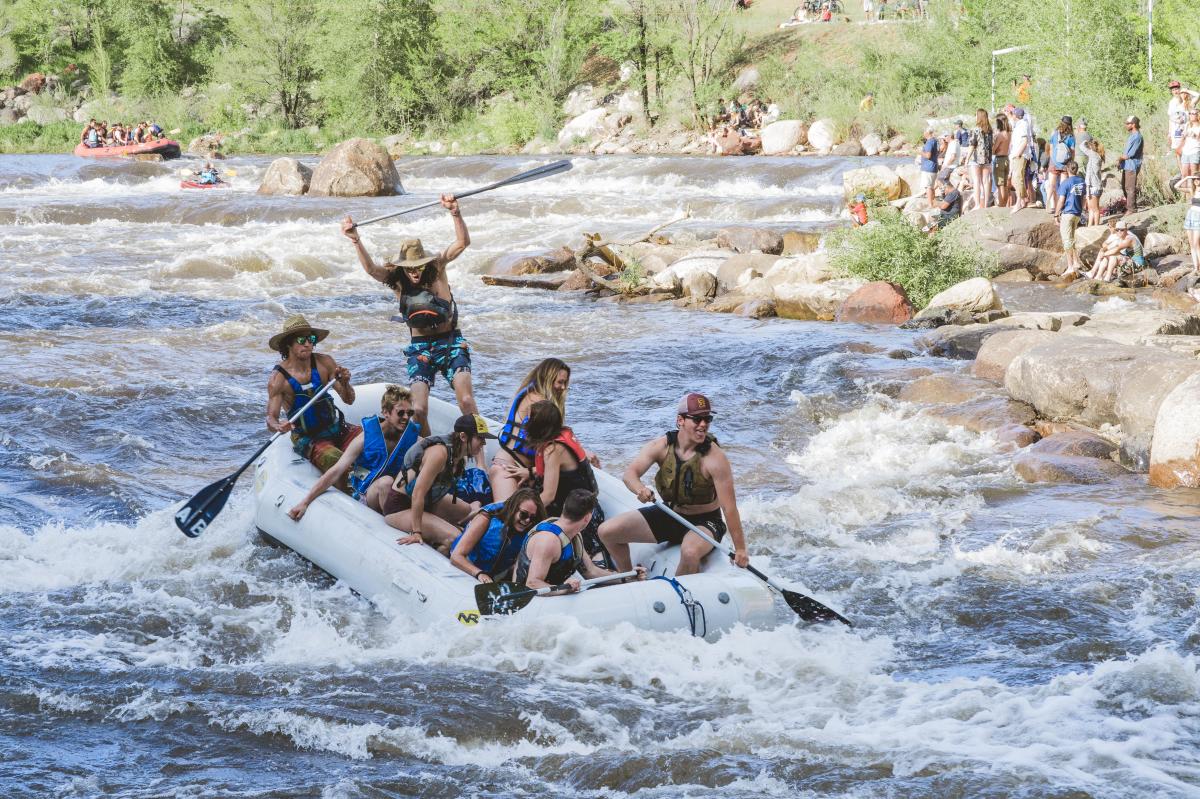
694,477
553,551
493,536
427,306
321,434
1120,255
373,459
422,500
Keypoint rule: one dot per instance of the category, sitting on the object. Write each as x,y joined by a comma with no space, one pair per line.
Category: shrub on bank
891,248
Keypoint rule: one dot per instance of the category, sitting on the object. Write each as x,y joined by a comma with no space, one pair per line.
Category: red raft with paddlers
167,148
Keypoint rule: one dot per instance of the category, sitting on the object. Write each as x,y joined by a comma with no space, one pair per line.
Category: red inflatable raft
167,148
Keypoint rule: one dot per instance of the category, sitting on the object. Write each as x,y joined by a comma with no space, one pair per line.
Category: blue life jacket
561,569
209,177
497,549
375,460
323,417
93,138
474,486
512,435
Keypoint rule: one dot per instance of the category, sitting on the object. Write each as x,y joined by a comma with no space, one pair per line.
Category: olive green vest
684,483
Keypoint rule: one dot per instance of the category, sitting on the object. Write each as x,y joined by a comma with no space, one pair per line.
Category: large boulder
973,296
877,179
1017,256
782,136
750,239
356,168
998,350
910,174
813,301
1034,466
734,272
878,302
747,79
1158,245
796,242
851,148
822,134
1160,219
1175,454
584,128
286,176
46,114
205,145
811,268
701,261
33,83
1029,227
700,286
580,100
1135,325
537,263
1145,385
654,258
872,144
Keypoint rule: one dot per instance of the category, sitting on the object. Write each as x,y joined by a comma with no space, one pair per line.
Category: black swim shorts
667,529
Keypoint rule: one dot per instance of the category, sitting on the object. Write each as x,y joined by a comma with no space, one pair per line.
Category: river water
1011,640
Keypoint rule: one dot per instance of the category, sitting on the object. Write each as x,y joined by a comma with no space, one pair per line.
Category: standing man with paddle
427,306
695,478
320,433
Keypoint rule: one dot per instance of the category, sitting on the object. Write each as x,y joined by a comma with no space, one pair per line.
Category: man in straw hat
322,432
427,306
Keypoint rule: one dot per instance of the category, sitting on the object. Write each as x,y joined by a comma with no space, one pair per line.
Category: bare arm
432,464
543,550
554,457
650,454
369,266
335,472
462,239
278,393
722,477
466,545
340,376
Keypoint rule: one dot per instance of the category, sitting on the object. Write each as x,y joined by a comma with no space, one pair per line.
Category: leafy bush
891,248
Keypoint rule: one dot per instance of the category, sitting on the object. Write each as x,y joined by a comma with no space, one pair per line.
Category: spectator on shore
858,210
868,9
867,102
979,156
929,164
1131,162
1062,151
948,209
1068,208
1000,167
951,151
1181,102
1094,178
1120,255
1189,146
1191,222
1021,90
1020,142
881,11
960,133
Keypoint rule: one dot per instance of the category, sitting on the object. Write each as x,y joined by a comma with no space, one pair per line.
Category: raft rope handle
691,606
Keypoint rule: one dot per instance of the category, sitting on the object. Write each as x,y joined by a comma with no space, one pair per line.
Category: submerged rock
750,239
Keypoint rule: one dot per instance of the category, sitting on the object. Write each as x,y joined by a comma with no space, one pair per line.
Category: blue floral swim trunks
447,354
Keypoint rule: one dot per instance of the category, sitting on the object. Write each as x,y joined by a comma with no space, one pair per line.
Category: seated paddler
513,464
321,434
694,479
423,500
553,552
488,545
373,459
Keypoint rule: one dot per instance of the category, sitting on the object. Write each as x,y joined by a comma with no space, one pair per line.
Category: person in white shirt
1018,156
1182,101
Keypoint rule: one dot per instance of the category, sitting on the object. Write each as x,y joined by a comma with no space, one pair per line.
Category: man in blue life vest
322,433
427,306
694,478
373,459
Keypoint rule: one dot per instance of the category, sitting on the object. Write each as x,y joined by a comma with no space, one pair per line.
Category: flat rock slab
943,389
1185,345
967,341
998,351
1034,467
1134,325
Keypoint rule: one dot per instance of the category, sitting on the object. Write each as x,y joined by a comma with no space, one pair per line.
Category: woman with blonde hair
980,158
549,380
1093,177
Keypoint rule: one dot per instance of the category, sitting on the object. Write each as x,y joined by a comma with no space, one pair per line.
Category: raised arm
722,477
649,455
462,239
370,267
331,476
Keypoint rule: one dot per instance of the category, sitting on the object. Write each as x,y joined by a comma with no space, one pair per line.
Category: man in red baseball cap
694,478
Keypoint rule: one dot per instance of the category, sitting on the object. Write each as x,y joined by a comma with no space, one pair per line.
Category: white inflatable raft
352,543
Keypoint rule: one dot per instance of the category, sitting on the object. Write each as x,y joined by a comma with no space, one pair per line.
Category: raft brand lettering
468,617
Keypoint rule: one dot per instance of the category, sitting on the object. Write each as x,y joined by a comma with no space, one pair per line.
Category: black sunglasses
311,338
399,412
697,418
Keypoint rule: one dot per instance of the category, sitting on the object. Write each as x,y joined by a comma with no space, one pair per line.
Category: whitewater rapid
1011,640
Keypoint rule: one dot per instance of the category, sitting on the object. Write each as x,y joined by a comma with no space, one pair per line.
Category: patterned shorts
325,451
447,354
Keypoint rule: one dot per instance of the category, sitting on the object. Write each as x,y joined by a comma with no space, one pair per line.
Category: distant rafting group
532,515
101,134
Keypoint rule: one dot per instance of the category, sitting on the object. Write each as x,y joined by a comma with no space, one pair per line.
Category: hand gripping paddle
504,598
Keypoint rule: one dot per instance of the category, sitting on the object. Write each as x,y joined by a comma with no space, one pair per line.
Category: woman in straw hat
321,433
427,306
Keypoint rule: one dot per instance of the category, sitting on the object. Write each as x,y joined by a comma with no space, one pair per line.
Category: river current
1011,640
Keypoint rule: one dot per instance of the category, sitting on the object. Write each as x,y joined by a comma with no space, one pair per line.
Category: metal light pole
1150,42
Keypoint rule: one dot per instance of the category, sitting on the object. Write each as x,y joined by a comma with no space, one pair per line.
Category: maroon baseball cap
694,404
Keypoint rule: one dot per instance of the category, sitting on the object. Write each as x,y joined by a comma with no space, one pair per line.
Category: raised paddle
546,170
201,509
502,599
806,607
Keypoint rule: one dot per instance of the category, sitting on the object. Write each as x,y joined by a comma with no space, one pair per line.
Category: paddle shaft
521,598
541,171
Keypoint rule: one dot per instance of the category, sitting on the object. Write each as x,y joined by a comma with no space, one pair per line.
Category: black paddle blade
501,599
201,509
811,610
